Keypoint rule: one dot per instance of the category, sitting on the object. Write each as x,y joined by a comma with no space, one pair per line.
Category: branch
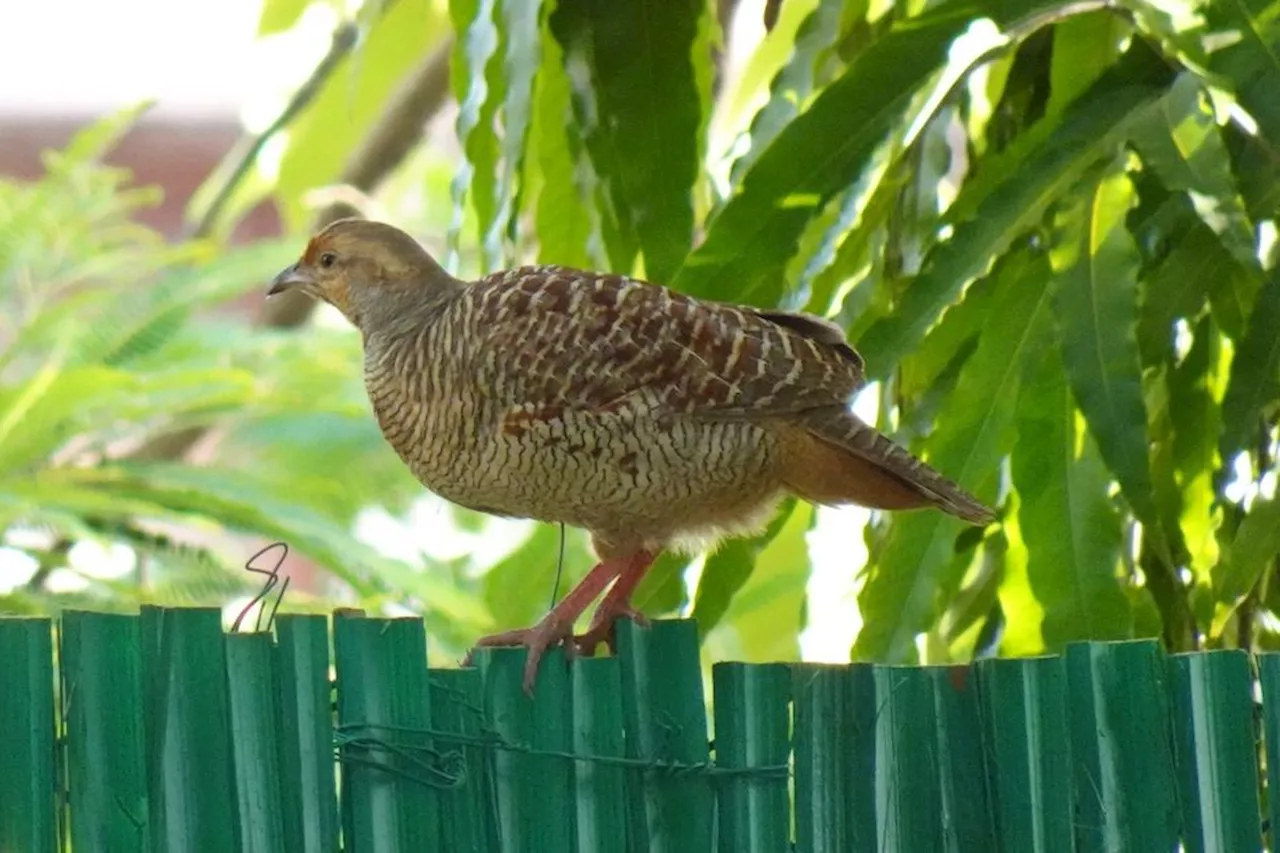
389,141
344,39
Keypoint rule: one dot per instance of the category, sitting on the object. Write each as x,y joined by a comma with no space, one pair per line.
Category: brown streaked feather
843,429
620,341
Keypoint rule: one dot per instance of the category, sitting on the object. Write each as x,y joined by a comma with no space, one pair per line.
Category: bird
651,419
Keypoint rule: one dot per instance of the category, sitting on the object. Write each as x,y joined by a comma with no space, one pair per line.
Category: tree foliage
1050,228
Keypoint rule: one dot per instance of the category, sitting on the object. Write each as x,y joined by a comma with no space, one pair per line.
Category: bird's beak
290,278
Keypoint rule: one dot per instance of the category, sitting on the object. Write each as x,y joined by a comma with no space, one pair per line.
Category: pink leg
616,605
558,624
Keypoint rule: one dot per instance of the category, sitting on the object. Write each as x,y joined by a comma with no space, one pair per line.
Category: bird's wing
591,342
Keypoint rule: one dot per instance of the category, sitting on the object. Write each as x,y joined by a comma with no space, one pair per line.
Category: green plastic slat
1028,751
255,749
753,721
966,809
388,804
308,801
534,792
101,665
1269,676
28,784
1216,751
601,788
191,794
665,716
834,734
466,813
1121,747
908,802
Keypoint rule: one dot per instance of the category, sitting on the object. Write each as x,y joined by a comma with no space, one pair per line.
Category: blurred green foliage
1050,227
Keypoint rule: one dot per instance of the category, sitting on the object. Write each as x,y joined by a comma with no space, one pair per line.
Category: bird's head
367,270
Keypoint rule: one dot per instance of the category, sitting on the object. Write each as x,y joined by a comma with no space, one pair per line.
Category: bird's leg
557,625
616,605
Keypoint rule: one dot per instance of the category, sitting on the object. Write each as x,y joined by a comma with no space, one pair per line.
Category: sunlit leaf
1248,57
728,569
1090,131
1096,263
1069,525
517,590
1254,385
280,15
479,83
975,431
1252,551
323,137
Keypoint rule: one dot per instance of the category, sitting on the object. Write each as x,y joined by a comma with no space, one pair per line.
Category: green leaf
1182,144
1252,552
765,617
662,590
566,224
794,83
1253,388
280,15
479,83
975,431
1084,47
94,141
729,568
1096,264
1071,530
1250,60
323,137
522,30
647,116
816,155
173,492
517,589
1091,130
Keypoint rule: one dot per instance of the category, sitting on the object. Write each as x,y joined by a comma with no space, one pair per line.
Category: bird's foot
549,632
602,629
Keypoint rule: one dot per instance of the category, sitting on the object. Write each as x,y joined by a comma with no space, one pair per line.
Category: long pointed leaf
1096,263
1071,530
1090,131
1254,385
648,114
975,432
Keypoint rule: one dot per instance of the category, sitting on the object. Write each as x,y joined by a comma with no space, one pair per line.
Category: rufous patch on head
312,252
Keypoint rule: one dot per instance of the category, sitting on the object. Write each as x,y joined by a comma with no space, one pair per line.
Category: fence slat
1269,678
597,730
255,748
466,814
101,669
388,801
752,730
1126,794
908,802
1216,751
309,800
1028,753
966,801
535,792
191,795
28,783
834,712
665,716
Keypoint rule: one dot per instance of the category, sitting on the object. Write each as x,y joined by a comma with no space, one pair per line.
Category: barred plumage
647,417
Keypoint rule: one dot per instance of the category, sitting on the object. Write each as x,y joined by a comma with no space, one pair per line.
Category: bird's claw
546,634
603,629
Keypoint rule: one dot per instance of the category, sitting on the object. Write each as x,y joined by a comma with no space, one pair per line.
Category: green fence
161,733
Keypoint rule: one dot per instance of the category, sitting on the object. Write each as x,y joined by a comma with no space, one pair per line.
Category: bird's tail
835,458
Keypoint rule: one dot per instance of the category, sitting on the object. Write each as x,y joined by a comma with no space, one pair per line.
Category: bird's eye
327,259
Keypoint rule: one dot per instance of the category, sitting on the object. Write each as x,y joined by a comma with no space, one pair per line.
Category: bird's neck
394,311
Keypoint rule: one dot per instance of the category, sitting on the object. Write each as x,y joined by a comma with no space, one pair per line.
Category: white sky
88,56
